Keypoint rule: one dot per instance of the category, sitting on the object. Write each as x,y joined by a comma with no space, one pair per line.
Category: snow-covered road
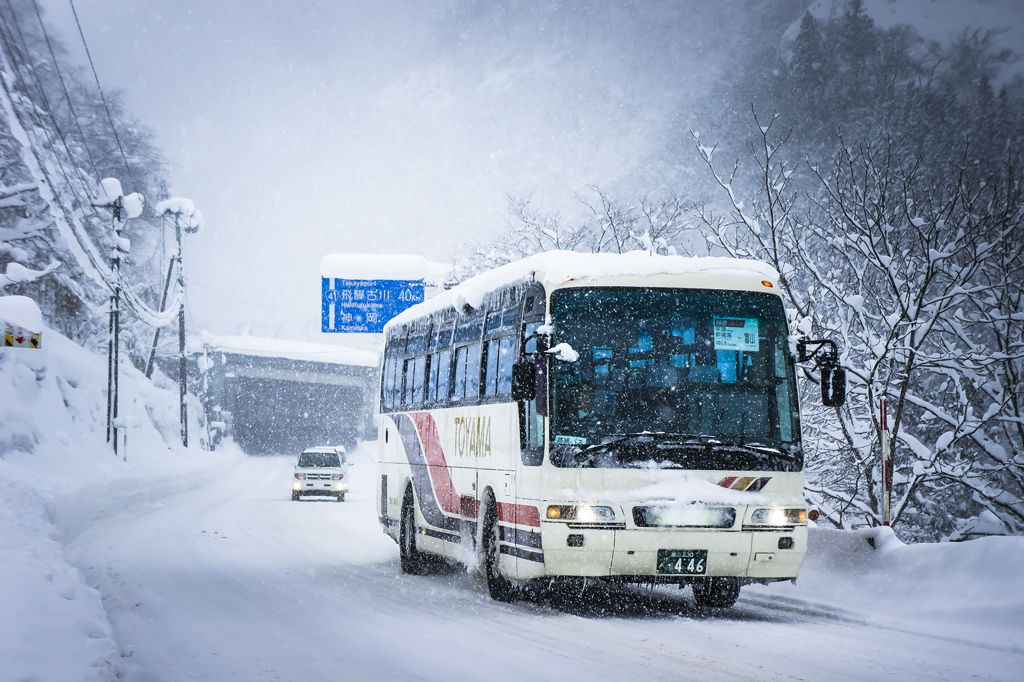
233,580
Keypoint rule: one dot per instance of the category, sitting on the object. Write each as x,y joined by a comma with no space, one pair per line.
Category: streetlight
188,218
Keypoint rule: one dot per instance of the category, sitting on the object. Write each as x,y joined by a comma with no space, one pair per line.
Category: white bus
623,417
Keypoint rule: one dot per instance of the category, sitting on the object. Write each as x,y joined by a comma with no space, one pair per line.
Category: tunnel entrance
273,397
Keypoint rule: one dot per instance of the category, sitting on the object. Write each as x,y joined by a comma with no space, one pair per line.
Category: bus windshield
673,378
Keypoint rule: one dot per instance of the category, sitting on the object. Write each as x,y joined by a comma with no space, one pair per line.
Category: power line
135,185
30,69
64,87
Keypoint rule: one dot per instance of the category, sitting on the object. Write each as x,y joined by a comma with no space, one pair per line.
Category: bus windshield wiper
661,439
648,437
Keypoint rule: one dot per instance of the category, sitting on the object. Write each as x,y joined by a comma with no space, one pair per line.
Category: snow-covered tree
59,137
917,279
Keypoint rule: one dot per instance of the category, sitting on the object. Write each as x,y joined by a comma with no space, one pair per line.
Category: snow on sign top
553,268
373,266
21,311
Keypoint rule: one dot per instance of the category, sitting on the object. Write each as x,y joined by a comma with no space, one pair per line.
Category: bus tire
720,593
295,497
413,561
498,586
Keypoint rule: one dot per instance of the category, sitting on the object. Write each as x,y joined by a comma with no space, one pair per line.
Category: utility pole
182,366
181,208
113,343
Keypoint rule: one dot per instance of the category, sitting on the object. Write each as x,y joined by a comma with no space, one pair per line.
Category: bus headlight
337,477
581,513
300,476
778,517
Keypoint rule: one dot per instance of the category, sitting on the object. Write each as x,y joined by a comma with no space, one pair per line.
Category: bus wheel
498,586
716,592
413,562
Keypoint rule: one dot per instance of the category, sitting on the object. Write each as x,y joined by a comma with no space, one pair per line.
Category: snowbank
58,473
966,590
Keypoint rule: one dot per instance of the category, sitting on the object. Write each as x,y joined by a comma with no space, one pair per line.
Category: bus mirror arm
825,355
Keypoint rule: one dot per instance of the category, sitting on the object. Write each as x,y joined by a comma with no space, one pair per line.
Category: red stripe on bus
521,514
444,490
727,481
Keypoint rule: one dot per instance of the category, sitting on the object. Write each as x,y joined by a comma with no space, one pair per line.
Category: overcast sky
302,128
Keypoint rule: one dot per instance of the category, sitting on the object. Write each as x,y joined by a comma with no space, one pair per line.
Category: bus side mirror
540,366
833,386
524,386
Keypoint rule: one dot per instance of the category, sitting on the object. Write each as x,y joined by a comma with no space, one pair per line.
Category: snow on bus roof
557,267
291,350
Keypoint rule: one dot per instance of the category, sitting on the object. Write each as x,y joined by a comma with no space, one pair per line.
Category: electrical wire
46,105
67,96
135,185
106,276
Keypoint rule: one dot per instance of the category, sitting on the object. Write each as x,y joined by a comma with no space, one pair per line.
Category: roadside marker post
883,418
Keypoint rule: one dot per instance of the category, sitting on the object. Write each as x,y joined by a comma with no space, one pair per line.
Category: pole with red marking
883,415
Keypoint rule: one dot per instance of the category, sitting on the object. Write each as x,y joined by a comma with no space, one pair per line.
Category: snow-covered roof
553,268
291,350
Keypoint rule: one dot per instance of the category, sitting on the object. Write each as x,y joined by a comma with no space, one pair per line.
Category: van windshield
319,459
708,370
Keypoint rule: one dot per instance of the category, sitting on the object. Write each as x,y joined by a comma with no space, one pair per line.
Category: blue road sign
365,305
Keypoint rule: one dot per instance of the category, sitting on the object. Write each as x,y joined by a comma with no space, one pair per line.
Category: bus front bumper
634,552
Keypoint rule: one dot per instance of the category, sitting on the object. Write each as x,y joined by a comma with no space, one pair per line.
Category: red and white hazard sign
19,337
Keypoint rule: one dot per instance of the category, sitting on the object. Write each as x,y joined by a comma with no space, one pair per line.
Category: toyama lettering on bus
472,437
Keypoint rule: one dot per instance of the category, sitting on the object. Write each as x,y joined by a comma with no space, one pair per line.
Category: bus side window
384,374
407,370
531,434
419,365
473,371
505,358
432,378
531,345
460,373
491,371
443,374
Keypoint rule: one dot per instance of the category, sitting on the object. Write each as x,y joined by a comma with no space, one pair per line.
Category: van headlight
778,517
581,513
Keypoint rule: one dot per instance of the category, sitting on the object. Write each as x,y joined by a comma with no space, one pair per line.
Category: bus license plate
682,561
